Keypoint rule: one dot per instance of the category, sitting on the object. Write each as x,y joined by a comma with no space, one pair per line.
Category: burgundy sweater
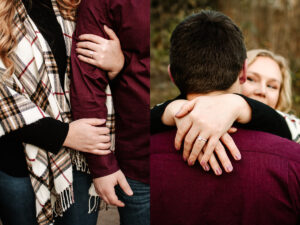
264,187
130,20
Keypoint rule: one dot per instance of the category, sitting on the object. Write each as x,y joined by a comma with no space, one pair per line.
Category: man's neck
195,95
235,88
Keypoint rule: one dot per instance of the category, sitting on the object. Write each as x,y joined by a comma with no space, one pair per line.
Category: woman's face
263,81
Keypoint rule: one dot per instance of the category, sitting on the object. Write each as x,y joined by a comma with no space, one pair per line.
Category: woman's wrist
168,117
244,110
118,67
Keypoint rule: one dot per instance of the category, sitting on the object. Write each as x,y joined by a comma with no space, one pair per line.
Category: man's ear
243,73
170,74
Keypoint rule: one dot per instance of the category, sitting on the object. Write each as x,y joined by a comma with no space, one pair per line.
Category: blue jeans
137,207
17,202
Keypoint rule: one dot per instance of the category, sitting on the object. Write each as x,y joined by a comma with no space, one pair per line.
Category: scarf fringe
79,161
63,201
94,203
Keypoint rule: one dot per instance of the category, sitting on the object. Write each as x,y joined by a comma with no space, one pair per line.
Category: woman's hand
220,153
102,53
204,121
194,147
85,136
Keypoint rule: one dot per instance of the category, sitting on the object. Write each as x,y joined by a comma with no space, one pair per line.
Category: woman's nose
260,90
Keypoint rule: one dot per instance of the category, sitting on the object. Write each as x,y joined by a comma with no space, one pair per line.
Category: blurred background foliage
270,24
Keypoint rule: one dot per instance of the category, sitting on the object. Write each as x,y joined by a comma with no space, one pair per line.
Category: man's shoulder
163,142
266,143
253,142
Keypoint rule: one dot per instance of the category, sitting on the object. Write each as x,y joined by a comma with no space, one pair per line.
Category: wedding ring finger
201,139
197,148
91,53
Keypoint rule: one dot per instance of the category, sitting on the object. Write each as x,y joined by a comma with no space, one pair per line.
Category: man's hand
105,187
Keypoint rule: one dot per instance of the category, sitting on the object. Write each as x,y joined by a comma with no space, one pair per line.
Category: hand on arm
209,117
85,136
102,53
105,187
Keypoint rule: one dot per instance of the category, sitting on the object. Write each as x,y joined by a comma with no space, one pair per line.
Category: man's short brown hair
207,53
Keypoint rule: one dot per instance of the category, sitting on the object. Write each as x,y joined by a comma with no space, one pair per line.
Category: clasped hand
203,125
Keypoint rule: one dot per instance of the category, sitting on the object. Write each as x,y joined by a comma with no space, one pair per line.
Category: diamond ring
91,54
201,139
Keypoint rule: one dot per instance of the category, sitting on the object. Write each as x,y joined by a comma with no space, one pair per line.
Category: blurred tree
270,24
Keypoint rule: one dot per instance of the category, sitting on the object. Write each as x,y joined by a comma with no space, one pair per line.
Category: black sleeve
157,111
46,133
265,118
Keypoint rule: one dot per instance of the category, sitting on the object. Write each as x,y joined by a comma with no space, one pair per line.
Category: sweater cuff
264,118
157,111
101,165
59,133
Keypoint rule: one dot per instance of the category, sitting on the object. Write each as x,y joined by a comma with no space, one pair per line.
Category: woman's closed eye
250,79
272,86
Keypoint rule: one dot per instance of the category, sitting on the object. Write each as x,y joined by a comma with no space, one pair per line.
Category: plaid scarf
32,93
294,125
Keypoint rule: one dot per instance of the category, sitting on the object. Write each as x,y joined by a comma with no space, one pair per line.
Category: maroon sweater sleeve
88,83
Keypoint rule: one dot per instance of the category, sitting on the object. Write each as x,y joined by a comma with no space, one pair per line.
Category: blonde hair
7,29
284,103
68,8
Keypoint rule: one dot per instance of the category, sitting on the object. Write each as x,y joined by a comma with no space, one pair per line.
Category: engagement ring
202,139
91,54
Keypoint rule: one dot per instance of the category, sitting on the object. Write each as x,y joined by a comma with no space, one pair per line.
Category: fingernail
218,171
190,162
205,166
202,163
184,158
229,168
238,157
177,113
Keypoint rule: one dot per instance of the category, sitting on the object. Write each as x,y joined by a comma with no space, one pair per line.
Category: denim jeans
137,207
17,202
